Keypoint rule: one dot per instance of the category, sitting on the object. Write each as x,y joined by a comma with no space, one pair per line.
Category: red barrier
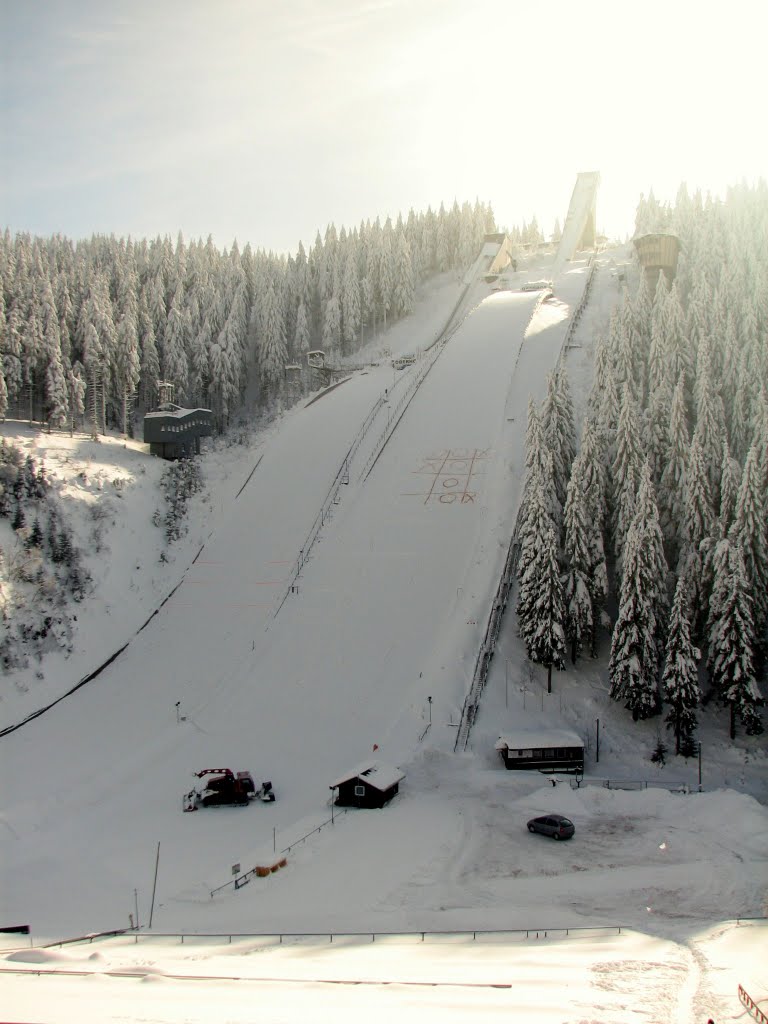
752,1006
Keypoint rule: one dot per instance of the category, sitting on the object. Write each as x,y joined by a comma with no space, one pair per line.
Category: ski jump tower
579,228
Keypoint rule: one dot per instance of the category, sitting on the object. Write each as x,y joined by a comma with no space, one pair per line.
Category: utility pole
597,745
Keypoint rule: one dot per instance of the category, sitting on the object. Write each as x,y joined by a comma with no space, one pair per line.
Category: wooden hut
544,750
657,252
371,784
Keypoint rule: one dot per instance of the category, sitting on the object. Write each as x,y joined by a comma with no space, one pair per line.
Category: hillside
388,610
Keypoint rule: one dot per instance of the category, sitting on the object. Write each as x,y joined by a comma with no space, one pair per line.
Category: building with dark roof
371,784
174,433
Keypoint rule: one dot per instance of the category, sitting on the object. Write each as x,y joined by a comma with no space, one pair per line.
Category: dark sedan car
555,825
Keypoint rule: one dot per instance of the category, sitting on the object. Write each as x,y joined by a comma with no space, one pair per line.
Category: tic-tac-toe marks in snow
451,475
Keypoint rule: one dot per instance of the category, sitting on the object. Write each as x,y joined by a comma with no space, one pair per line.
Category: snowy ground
388,610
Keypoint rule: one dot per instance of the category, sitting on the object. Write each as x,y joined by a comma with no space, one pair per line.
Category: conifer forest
653,535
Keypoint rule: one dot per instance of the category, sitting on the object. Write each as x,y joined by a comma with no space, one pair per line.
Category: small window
549,753
359,790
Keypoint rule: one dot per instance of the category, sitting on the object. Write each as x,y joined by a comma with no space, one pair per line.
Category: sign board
235,869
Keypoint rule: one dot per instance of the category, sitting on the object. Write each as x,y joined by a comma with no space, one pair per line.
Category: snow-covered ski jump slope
389,609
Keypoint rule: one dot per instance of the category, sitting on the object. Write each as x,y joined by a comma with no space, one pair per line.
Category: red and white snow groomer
226,787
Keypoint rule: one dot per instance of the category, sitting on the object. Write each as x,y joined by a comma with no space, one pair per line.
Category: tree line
89,328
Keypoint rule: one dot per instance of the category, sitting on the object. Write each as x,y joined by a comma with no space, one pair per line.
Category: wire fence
522,934
422,935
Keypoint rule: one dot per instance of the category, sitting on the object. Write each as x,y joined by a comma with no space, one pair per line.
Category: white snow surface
442,905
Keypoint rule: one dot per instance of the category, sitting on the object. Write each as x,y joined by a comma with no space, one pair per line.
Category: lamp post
429,701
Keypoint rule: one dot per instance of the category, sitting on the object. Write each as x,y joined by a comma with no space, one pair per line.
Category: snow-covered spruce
680,678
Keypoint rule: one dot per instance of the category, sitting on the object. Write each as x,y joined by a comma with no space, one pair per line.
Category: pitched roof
374,773
525,739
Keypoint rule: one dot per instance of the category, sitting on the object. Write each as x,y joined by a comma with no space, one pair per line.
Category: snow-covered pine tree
93,359
653,543
537,458
635,645
602,368
546,641
656,425
579,619
199,361
750,531
175,340
332,326
628,457
730,483
760,435
76,388
404,284
710,421
698,511
12,351
273,353
741,411
150,363
680,678
538,499
385,280
624,513
350,302
731,640
301,338
697,537
672,484
592,471
56,389
623,351
127,368
559,429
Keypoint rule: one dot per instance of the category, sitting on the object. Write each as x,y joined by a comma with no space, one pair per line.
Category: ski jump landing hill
387,610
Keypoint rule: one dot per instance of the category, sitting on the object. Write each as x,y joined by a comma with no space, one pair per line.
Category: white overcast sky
264,121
